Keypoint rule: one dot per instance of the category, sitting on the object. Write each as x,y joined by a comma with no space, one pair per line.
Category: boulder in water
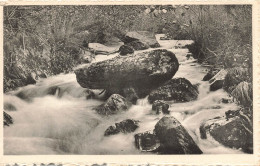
174,138
177,90
144,37
160,106
9,107
210,74
126,126
234,76
147,142
126,49
130,95
137,45
114,104
8,120
218,80
233,130
142,72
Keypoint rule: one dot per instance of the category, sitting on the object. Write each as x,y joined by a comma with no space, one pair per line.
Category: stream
65,123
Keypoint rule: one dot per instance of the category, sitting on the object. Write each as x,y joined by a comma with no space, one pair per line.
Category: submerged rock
174,138
147,142
8,120
143,72
233,130
218,80
177,90
114,104
160,106
126,126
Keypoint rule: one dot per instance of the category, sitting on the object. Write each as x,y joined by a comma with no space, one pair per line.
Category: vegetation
51,39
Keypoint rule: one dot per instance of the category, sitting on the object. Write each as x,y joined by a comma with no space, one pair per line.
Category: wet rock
137,45
211,73
234,76
147,142
217,81
126,126
9,107
130,95
126,49
144,37
143,72
111,130
177,90
174,138
160,106
87,57
8,120
225,100
98,48
114,104
233,130
243,94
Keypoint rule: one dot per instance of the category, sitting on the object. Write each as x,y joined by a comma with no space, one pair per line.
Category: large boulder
233,130
174,138
114,104
177,90
8,120
126,126
144,37
217,81
143,72
147,142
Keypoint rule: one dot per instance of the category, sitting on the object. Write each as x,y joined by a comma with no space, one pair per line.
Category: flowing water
65,122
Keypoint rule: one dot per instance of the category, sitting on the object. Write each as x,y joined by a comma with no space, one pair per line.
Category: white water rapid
66,123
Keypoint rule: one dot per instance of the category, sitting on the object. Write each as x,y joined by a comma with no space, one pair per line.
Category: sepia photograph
160,79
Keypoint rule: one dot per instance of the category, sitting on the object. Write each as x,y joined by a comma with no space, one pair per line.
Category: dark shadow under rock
177,90
126,49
